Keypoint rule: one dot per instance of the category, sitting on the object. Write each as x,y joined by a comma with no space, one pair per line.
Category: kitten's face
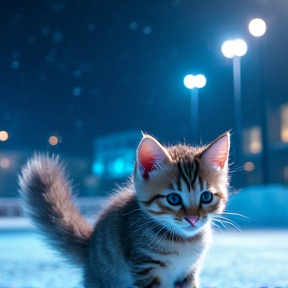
180,185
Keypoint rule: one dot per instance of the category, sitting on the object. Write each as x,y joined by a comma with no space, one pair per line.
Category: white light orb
257,27
200,81
189,81
228,49
240,47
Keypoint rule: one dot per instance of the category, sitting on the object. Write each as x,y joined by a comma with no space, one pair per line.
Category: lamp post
257,28
236,49
194,83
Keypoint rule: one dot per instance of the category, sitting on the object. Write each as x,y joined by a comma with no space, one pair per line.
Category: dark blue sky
90,68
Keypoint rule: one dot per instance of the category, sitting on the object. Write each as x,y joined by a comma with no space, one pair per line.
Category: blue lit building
115,154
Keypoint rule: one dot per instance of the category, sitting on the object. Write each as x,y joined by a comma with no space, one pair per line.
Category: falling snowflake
147,30
77,91
14,64
133,26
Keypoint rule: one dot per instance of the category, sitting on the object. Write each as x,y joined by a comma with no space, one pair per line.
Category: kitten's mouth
192,219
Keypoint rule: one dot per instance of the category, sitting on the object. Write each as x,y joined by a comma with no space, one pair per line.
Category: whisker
237,169
163,227
143,221
131,211
232,224
227,219
218,220
236,214
146,225
159,240
149,228
249,219
215,224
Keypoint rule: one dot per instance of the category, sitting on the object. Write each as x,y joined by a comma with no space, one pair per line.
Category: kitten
153,232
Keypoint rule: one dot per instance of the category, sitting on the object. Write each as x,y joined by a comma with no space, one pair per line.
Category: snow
235,259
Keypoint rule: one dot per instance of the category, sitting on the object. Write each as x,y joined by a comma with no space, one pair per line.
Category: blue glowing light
98,168
119,166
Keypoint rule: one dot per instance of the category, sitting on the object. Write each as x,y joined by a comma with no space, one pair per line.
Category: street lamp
194,83
257,28
236,49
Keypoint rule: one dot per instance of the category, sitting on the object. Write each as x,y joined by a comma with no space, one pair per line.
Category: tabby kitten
153,232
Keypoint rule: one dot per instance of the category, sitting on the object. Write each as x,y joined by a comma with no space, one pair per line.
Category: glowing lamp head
200,81
257,27
233,48
191,81
227,49
240,47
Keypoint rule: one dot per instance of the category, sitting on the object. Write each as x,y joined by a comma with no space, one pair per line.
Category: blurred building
278,130
78,167
115,155
275,156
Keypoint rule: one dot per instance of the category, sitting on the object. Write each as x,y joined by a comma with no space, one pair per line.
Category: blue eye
174,199
206,197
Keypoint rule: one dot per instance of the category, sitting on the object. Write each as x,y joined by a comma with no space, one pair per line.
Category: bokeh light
4,135
257,27
98,168
53,140
284,135
240,47
4,163
191,81
227,49
233,48
118,165
249,166
200,81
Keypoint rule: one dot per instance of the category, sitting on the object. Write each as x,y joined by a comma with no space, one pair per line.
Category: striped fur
139,238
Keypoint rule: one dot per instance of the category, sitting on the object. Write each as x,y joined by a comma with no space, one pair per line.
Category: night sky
82,69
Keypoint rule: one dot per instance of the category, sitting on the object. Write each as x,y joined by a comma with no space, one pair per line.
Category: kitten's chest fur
180,257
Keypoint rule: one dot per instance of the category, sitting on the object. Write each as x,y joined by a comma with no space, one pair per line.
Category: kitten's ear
150,153
217,153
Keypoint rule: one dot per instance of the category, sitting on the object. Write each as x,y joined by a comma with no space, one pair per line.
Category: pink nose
193,219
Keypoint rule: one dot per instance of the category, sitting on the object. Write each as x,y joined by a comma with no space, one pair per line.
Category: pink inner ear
146,159
221,160
149,153
218,152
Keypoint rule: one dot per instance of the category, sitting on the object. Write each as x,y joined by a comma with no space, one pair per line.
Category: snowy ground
243,259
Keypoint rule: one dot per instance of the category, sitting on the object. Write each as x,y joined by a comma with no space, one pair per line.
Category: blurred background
83,78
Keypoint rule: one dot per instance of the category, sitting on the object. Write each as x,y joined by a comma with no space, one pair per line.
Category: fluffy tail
46,193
